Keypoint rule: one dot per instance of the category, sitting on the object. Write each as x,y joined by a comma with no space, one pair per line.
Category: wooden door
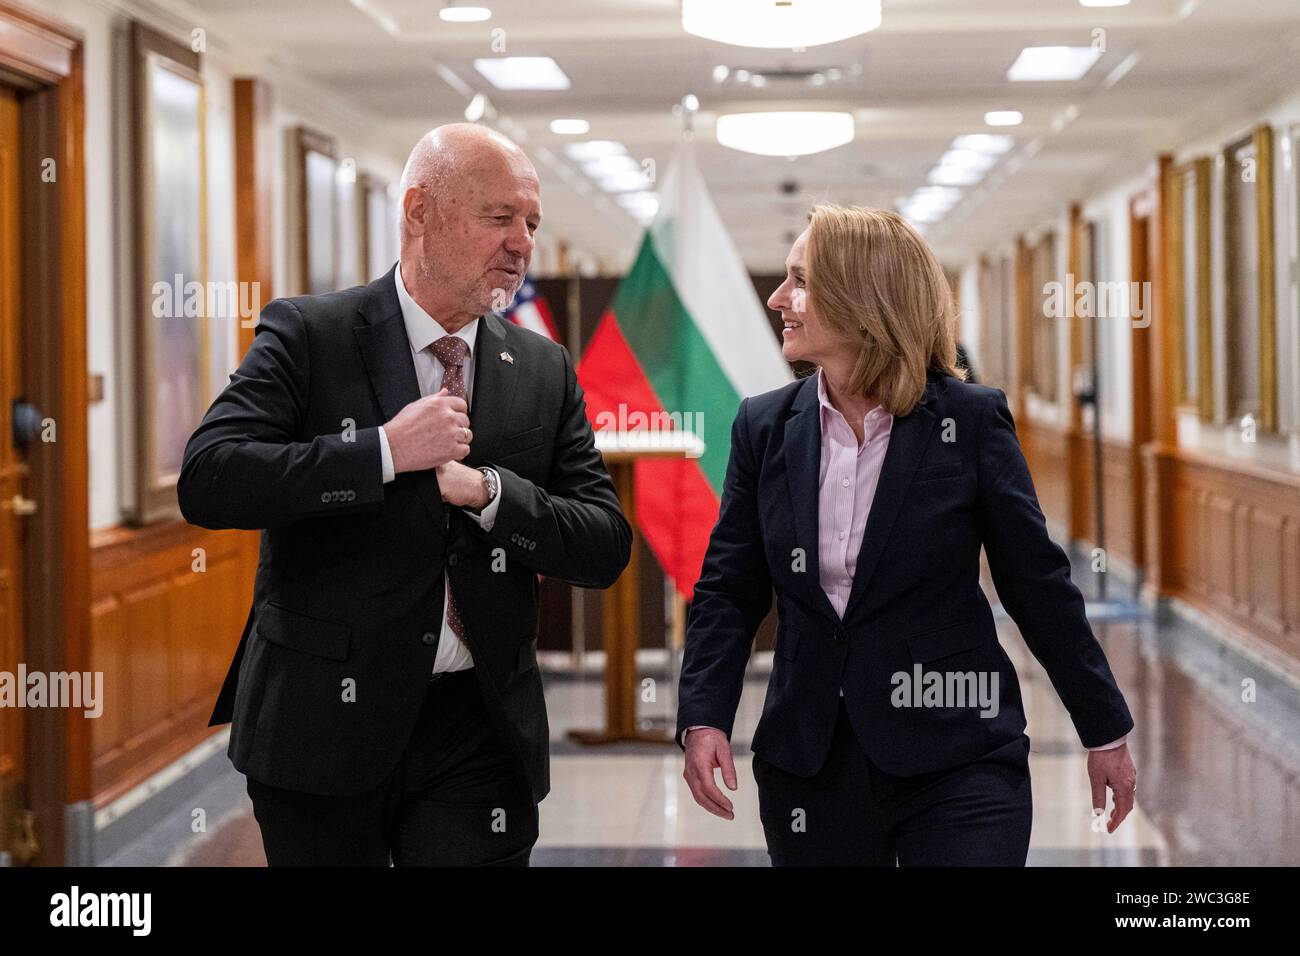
12,469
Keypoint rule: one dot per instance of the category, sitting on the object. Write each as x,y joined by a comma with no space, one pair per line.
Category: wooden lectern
621,604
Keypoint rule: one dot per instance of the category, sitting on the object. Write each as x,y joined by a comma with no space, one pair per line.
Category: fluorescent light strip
1053,63
522,73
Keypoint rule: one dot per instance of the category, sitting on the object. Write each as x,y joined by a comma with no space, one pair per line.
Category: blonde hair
876,285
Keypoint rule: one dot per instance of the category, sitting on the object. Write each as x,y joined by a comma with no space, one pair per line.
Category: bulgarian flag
685,339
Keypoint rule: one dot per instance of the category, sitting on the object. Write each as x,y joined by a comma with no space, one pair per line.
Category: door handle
20,506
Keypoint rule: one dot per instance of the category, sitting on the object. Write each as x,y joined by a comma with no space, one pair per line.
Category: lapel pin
507,357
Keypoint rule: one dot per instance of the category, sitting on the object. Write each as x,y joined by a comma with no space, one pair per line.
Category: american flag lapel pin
507,357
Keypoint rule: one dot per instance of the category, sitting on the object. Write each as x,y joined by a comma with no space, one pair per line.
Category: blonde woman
893,730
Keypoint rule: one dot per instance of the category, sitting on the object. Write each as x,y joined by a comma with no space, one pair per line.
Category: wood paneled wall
1046,449
1116,479
163,634
1237,554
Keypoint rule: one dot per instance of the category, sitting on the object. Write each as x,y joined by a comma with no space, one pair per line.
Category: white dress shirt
421,332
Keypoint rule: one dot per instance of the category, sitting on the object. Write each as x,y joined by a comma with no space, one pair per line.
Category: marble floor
1219,775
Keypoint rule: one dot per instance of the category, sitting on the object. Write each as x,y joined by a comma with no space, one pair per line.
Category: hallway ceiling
927,75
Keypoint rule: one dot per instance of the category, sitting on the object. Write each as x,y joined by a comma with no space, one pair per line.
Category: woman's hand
1113,768
707,749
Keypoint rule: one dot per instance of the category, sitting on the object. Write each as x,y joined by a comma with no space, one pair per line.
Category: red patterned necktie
450,350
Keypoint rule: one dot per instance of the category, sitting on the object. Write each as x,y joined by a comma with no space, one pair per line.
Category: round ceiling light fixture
464,13
776,24
785,133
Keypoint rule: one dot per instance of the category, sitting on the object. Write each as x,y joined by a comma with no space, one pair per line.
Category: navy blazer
953,480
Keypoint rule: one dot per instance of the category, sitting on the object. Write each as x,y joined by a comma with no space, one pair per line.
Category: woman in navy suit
893,730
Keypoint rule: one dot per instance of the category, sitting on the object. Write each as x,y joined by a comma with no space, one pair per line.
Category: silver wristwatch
490,482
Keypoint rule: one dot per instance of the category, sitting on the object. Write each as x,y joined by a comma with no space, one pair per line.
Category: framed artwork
1251,341
1042,328
352,226
381,221
1293,135
170,348
1191,271
318,211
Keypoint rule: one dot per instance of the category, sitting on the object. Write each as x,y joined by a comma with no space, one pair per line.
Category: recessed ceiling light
627,180
968,159
1004,118
944,194
784,25
1039,63
570,127
786,133
720,73
1103,3
456,13
641,201
997,143
954,176
614,163
478,108
523,73
593,149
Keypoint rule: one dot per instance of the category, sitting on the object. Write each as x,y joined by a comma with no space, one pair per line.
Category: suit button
452,560
840,635
429,638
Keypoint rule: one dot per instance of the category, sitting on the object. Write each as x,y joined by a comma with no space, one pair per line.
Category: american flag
531,311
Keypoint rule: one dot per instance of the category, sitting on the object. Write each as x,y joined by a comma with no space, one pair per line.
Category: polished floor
1219,773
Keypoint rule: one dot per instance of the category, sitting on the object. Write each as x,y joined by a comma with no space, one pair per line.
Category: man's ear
416,210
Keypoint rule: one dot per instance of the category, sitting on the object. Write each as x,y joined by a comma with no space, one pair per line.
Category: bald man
414,464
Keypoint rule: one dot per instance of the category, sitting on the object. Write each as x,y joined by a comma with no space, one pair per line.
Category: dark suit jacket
916,596
349,585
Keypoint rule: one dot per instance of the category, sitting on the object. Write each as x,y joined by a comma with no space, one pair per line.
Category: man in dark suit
414,463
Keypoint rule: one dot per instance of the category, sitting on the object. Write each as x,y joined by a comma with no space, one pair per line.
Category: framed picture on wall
352,225
1043,325
1191,293
1251,346
381,226
318,211
1293,135
170,350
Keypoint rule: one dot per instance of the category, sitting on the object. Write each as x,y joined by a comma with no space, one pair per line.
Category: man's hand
429,432
708,748
462,485
1113,768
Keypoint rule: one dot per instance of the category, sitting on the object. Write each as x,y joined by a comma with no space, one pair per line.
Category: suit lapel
802,447
493,394
907,441
386,351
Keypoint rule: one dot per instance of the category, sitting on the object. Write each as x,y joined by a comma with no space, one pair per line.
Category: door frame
1143,208
43,57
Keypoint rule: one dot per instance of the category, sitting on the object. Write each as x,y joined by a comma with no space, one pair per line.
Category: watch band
490,481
